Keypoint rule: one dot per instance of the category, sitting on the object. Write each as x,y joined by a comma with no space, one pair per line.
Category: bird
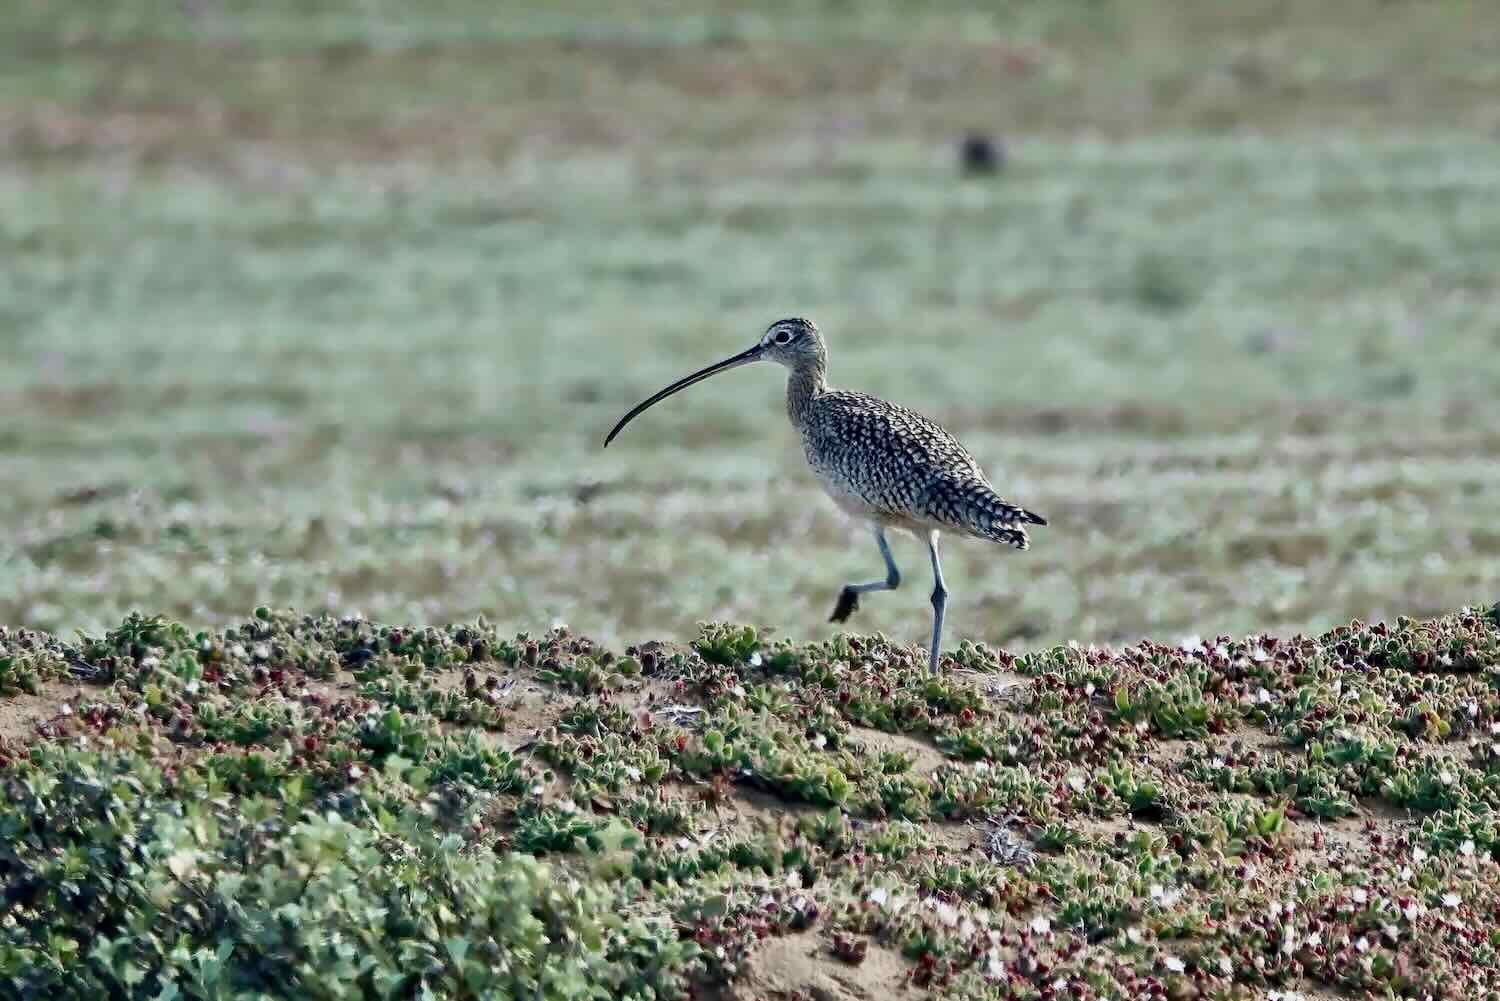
979,154
881,463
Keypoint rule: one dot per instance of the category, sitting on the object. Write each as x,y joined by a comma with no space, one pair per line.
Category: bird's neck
803,385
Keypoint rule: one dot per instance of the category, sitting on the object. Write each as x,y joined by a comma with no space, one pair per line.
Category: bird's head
792,342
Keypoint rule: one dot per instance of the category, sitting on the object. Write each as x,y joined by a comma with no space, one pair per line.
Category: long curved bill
743,358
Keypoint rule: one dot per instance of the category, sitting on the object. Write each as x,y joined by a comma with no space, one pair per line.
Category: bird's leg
849,597
939,601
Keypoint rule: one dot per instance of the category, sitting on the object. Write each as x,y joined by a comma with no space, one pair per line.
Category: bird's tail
1015,537
976,506
1010,529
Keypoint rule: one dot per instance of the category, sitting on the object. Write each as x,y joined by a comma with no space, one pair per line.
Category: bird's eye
783,337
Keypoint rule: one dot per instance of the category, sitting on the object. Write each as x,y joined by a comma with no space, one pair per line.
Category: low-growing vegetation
330,808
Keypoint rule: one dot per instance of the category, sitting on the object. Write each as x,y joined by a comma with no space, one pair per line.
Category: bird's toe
848,602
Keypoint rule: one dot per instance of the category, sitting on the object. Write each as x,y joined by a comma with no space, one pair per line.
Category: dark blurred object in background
980,156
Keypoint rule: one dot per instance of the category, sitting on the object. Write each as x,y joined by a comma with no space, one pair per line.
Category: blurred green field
331,308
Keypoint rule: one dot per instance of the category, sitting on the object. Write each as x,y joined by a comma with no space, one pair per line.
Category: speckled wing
890,463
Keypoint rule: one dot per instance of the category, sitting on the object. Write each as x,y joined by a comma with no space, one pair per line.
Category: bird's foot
848,603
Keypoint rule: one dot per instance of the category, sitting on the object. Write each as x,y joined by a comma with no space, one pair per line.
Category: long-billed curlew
881,463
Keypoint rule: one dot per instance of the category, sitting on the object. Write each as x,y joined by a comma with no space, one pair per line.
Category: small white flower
1418,855
1362,944
1225,966
755,659
947,914
981,766
1360,896
739,690
1467,848
356,772
1133,936
1451,900
1472,708
995,968
820,741
794,879
1175,965
1076,782
878,896
1040,925
633,773
1060,984
1411,911
261,652
1088,689
1262,696
1259,655
1157,891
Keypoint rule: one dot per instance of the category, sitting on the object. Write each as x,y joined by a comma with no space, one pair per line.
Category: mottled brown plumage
893,465
880,462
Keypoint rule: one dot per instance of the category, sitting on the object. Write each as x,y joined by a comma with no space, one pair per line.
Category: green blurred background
330,305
